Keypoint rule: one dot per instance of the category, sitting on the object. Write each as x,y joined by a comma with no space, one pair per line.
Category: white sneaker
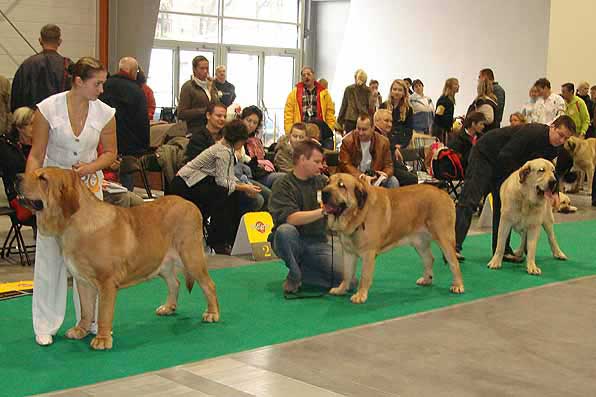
44,340
93,328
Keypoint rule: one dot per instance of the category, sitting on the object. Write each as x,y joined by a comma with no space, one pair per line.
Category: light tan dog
107,247
371,220
583,152
525,206
564,205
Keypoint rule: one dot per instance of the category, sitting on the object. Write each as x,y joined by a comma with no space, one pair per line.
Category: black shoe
593,203
222,249
512,258
459,256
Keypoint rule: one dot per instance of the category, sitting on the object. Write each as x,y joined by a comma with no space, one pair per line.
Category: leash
303,295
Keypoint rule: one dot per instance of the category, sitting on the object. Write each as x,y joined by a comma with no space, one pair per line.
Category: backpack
447,165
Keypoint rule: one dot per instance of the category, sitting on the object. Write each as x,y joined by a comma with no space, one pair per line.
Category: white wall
76,18
571,55
434,40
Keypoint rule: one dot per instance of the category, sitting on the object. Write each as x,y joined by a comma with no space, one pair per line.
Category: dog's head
53,194
539,177
343,197
572,144
564,206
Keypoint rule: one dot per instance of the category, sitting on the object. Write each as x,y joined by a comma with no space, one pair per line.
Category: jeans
268,179
390,183
128,181
308,260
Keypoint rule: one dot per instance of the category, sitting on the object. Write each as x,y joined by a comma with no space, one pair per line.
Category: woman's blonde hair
22,117
485,89
448,90
403,104
360,76
519,116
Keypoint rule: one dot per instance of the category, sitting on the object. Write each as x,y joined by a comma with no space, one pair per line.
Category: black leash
303,295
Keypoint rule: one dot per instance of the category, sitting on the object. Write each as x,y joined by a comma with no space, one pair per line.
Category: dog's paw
424,281
457,289
494,264
76,332
210,317
534,270
165,310
359,297
102,342
337,291
560,256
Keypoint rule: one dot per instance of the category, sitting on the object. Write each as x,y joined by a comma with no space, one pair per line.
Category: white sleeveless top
64,149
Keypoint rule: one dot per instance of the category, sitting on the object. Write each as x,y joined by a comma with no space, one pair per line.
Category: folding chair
130,165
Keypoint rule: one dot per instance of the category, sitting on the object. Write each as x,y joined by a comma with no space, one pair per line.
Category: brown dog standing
122,247
371,220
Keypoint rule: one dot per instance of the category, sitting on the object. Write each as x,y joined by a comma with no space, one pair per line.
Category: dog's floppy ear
524,172
69,200
361,195
571,146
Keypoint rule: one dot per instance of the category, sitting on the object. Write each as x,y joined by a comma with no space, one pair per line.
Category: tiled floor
536,342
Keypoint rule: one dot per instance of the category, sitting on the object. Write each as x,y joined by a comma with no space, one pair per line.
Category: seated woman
517,119
14,150
262,169
208,181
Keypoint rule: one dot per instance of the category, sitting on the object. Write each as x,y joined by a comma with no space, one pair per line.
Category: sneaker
44,340
459,256
291,286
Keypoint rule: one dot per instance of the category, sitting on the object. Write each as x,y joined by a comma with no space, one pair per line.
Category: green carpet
255,314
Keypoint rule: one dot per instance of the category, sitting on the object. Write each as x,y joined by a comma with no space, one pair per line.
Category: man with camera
365,154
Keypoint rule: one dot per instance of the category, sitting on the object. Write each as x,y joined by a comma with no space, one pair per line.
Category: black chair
132,164
14,233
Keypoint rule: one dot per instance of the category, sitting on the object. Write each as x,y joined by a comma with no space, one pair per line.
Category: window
263,34
186,28
272,10
208,7
161,64
257,40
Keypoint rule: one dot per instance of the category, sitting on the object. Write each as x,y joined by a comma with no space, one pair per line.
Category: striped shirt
217,161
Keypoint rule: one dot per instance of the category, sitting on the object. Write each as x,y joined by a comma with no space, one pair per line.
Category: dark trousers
479,181
215,203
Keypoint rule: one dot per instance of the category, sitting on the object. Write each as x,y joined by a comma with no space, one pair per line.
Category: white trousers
50,286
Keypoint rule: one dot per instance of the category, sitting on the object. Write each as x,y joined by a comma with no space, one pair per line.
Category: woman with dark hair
67,129
142,81
263,170
209,181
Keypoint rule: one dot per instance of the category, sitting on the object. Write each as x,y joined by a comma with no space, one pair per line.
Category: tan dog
371,220
107,247
564,206
525,206
583,152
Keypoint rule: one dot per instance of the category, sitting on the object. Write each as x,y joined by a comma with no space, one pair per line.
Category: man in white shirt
549,105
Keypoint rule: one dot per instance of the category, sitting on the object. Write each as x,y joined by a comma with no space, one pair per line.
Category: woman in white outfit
67,129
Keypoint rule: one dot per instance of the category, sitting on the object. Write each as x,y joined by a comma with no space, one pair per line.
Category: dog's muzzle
331,208
36,205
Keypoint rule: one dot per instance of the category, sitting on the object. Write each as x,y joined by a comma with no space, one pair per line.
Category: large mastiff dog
583,153
526,206
371,220
107,247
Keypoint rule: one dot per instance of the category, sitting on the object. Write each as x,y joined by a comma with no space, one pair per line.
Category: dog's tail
190,281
